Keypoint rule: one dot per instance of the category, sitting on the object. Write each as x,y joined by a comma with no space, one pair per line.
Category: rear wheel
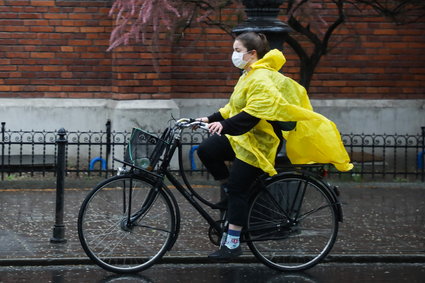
292,223
125,224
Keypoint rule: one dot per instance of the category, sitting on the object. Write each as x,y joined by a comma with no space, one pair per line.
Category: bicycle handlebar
191,123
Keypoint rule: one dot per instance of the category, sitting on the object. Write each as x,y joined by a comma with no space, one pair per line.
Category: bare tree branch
398,11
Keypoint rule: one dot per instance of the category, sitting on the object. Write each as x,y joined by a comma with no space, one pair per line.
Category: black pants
213,152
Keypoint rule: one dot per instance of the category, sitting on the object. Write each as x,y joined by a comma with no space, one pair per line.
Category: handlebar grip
187,122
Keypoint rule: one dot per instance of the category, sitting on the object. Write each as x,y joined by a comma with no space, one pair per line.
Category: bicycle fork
132,218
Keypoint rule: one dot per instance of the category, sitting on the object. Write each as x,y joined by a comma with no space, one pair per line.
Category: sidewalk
382,222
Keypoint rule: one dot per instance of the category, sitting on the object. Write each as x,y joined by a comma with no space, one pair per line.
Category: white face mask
237,59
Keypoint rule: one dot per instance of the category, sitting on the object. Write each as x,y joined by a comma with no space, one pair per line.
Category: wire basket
144,149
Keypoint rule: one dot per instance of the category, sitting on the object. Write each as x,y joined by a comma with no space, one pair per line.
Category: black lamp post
262,17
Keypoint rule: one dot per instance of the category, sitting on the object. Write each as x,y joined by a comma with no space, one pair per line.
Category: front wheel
125,224
292,223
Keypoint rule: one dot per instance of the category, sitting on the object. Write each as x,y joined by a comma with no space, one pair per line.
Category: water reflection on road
220,273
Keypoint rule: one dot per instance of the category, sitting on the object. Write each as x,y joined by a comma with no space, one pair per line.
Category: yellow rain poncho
265,93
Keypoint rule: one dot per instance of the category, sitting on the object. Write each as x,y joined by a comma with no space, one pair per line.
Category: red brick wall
58,49
374,59
54,49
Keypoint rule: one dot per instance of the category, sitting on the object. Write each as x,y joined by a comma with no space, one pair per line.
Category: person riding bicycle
250,128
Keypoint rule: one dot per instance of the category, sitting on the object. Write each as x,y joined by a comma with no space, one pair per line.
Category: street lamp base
58,235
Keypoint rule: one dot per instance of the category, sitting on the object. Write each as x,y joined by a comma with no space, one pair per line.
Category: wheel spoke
313,211
109,241
292,223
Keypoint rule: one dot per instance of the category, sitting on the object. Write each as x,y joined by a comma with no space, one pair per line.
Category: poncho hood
273,60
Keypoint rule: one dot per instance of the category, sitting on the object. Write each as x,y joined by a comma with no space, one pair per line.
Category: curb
376,258
359,258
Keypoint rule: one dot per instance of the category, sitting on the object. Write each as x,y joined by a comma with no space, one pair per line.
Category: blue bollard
420,161
191,157
97,159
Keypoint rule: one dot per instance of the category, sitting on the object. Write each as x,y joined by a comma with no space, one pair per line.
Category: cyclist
248,132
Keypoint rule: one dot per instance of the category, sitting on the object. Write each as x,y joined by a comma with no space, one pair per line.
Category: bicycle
129,221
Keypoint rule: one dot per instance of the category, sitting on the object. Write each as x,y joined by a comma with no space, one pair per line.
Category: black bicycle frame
188,192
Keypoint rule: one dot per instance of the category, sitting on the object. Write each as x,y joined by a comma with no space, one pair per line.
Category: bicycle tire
292,223
103,232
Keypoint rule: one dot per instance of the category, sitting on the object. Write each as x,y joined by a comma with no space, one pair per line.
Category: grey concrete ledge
86,103
370,103
350,115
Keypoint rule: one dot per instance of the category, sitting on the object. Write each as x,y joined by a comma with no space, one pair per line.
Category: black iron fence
87,153
398,157
376,157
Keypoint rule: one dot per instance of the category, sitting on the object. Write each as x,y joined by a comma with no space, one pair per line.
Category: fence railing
376,157
387,157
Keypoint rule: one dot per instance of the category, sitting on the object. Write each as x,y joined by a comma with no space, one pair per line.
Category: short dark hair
255,41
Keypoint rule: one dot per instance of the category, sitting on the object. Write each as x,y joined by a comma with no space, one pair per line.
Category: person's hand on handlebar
203,123
215,128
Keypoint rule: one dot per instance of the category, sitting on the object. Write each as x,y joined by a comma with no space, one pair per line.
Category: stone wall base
350,115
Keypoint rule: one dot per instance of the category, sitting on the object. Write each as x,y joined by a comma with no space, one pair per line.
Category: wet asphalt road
221,273
380,221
